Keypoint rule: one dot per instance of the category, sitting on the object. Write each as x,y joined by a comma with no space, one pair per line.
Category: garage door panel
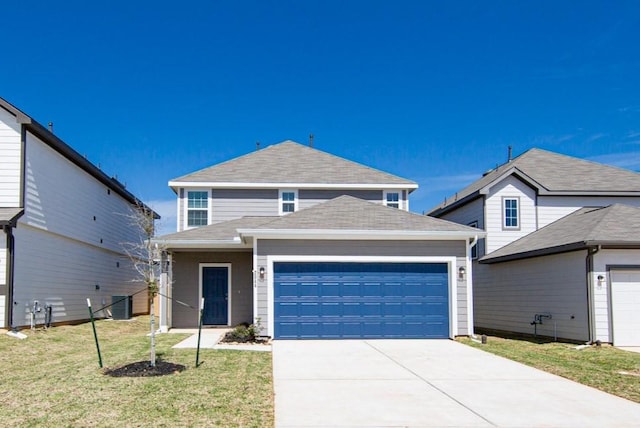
625,302
361,300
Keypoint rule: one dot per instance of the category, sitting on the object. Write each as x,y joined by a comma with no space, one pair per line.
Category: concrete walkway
428,383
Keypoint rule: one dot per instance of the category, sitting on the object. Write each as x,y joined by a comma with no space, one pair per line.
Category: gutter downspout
8,230
591,251
470,313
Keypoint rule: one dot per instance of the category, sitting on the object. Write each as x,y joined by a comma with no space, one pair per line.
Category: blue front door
215,289
361,300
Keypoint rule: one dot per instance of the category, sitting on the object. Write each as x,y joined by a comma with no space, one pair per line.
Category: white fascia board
358,234
200,243
232,185
512,171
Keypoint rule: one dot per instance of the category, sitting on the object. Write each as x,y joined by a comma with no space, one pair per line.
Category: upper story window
392,199
197,208
288,201
511,213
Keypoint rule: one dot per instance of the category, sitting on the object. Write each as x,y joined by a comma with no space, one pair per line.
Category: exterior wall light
261,273
462,272
600,280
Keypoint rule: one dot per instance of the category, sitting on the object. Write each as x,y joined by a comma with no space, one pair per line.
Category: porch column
164,292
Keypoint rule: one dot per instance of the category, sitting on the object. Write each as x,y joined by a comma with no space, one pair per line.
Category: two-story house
64,223
313,246
561,257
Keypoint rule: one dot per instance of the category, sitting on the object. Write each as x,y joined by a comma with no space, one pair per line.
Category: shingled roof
551,173
616,225
292,163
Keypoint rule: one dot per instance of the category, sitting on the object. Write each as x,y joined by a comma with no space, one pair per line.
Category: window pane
197,199
288,207
197,218
288,196
393,197
511,213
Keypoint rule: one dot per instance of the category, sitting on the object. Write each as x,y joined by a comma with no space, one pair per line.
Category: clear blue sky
431,91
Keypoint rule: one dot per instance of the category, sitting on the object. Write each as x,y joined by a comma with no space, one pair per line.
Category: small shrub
244,333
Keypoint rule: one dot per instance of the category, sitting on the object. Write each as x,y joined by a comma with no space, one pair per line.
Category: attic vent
51,127
311,140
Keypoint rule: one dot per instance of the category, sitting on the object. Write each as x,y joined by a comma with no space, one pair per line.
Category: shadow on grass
144,369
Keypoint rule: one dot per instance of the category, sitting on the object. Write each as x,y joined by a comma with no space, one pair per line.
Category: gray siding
275,247
181,203
230,204
508,295
463,301
186,285
310,197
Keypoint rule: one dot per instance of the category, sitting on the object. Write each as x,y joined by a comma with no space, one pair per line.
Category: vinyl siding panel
10,155
462,300
230,204
186,286
602,261
274,247
552,208
181,221
467,214
310,197
510,187
64,272
508,295
65,200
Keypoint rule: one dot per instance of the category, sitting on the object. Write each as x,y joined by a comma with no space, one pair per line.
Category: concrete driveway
428,383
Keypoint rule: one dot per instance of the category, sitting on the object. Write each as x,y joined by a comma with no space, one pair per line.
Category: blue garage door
361,300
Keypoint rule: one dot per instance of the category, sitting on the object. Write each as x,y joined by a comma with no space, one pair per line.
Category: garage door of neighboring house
360,300
625,306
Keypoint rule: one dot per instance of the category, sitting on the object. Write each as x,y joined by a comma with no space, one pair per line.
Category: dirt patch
144,369
231,338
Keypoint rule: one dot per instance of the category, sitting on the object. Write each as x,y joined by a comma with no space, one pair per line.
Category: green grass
598,367
53,379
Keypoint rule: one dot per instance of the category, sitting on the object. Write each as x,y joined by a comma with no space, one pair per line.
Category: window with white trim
288,201
392,199
197,208
511,213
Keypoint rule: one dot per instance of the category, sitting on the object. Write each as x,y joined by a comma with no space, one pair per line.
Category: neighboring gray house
314,246
549,257
63,222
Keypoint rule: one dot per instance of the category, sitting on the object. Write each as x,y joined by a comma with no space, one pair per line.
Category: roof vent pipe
51,127
510,153
311,140
257,145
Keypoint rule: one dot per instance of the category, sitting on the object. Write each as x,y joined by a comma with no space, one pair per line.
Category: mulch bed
143,369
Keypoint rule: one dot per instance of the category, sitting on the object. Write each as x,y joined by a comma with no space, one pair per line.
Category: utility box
121,307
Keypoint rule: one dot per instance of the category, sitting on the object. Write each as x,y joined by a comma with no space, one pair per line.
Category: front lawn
53,379
606,368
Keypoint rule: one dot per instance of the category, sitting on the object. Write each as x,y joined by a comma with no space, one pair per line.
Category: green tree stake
95,335
199,333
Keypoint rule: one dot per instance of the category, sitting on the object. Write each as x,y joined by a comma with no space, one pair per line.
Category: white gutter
357,234
232,185
200,243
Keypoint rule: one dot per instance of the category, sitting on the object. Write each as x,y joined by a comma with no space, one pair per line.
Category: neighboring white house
314,246
547,266
64,224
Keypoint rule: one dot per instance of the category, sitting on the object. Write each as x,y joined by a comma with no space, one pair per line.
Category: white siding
552,208
510,187
467,214
63,273
508,295
601,293
9,160
63,199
